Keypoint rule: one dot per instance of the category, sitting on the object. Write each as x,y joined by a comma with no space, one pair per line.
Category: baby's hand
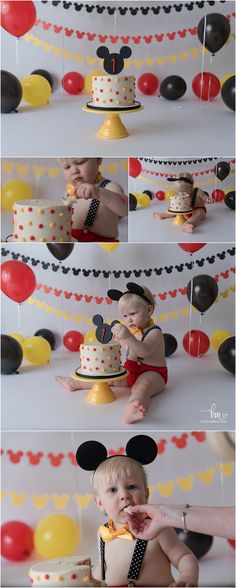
87,191
120,332
184,582
210,200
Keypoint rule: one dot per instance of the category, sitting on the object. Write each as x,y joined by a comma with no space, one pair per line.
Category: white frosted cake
97,359
113,91
180,203
42,220
66,571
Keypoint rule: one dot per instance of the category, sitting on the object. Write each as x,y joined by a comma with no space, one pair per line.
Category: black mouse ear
90,454
114,294
135,288
114,323
125,52
103,52
97,319
142,448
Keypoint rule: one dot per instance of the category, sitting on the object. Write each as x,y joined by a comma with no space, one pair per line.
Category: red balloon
160,195
18,280
72,340
73,82
135,167
218,195
196,343
148,83
231,542
17,541
206,86
17,18
191,247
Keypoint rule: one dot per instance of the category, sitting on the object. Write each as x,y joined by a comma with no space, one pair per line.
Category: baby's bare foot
157,215
187,227
67,383
134,412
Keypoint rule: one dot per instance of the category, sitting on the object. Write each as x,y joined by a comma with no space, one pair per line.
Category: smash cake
180,203
42,220
75,570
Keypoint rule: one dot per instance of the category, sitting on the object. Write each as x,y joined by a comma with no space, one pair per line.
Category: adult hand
86,191
183,582
147,528
120,332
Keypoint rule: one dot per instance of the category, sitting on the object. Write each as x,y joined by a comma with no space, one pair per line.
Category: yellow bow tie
108,533
137,331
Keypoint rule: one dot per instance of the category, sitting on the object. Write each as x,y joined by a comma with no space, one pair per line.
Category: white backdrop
47,181
193,383
220,220
181,127
25,486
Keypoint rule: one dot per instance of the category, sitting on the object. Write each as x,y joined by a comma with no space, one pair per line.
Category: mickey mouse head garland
91,454
113,62
132,288
103,331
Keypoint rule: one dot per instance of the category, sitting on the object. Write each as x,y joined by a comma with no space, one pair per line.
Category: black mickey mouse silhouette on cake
113,62
103,330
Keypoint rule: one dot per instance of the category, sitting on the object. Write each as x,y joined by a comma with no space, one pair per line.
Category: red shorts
136,369
90,237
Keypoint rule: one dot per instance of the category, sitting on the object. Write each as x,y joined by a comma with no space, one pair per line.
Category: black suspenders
93,208
139,359
194,196
136,561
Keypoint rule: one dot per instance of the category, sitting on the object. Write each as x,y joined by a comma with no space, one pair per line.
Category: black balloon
11,92
149,193
222,170
197,542
173,88
228,92
60,250
213,31
45,74
226,354
11,354
229,200
202,291
132,202
48,335
170,344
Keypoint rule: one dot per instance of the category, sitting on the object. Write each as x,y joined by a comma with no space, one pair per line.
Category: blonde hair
117,466
128,299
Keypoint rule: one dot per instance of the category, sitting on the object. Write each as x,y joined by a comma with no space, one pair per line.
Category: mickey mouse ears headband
132,288
91,454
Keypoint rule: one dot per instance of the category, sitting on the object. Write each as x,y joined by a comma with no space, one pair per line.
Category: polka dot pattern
106,92
38,221
135,564
93,208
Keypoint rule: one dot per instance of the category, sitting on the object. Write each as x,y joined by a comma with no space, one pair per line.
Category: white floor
163,128
218,225
216,569
33,399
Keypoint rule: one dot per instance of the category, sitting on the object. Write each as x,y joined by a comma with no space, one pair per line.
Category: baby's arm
204,197
114,199
141,349
181,557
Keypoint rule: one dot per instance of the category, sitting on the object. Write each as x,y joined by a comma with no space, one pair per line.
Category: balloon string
19,317
17,57
203,57
199,338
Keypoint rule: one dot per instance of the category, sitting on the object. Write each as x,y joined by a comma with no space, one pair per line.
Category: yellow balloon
56,535
144,200
90,337
225,77
18,337
36,90
36,350
169,193
109,246
15,190
218,337
88,79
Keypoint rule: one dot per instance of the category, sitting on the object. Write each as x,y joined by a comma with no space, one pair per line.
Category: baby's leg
162,215
72,385
195,218
147,385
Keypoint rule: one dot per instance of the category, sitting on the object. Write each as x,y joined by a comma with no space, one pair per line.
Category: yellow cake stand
101,392
179,216
112,128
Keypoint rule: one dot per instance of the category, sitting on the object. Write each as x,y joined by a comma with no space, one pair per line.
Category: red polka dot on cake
102,360
51,210
32,238
30,209
40,226
73,577
21,227
15,236
60,228
46,577
14,211
53,238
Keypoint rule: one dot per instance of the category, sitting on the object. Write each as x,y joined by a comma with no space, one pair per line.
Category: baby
98,203
118,483
145,363
183,185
